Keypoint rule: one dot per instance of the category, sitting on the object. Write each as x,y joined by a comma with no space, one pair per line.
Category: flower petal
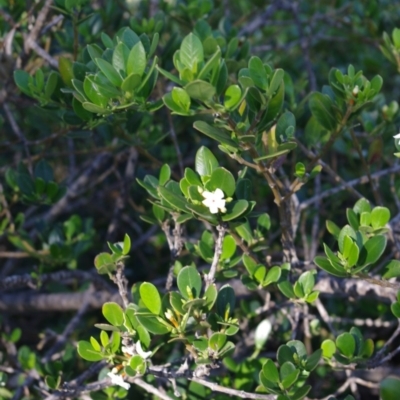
141,352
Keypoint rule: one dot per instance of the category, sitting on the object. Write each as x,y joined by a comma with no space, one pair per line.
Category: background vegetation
298,275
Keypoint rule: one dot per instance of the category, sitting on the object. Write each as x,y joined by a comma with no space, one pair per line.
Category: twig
17,131
150,389
354,182
232,392
120,280
210,277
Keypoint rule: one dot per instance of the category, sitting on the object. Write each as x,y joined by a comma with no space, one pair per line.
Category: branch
210,277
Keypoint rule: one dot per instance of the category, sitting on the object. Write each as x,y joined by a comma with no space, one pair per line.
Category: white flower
397,137
214,201
128,350
141,352
118,380
356,90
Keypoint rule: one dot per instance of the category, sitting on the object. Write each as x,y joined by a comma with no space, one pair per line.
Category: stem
210,277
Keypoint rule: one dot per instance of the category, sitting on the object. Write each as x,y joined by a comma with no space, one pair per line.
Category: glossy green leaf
276,81
322,109
390,388
328,348
324,263
150,297
131,83
153,323
126,248
313,360
176,201
214,133
86,351
392,269
235,210
222,179
346,344
217,341
225,301
372,250
228,247
189,282
200,90
270,371
211,296
232,97
300,393
120,58
258,73
205,162
181,98
380,216
113,313
395,308
109,71
191,52
273,275
136,62
165,174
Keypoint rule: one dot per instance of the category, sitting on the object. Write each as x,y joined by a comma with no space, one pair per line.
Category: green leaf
307,281
328,348
322,109
313,360
176,201
395,308
325,264
205,162
200,90
211,296
346,344
361,206
126,248
222,179
104,263
93,94
136,63
276,81
390,388
189,277
391,269
165,174
270,371
214,133
228,247
191,52
150,297
225,301
232,97
380,216
86,351
113,313
65,69
299,394
258,73
217,341
273,275
286,122
235,210
300,170
352,217
181,98
289,375
131,83
120,58
372,250
109,71
153,323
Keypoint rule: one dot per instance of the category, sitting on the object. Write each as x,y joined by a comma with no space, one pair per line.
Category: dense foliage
199,199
